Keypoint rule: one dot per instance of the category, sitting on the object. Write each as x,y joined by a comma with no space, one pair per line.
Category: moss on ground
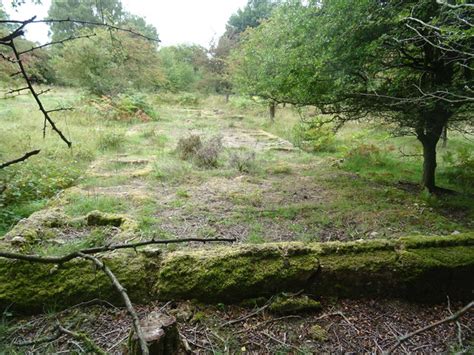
294,304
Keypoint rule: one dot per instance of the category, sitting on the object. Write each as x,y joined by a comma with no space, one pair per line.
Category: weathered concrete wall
421,268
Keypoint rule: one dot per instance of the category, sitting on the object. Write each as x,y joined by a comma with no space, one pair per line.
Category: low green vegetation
363,184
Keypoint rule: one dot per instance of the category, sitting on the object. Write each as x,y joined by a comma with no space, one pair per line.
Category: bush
125,107
244,162
460,170
102,67
208,155
365,156
135,105
188,147
111,141
314,136
188,99
25,187
204,155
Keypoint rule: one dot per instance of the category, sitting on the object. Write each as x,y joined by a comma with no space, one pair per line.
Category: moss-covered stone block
421,268
33,287
98,218
294,304
232,274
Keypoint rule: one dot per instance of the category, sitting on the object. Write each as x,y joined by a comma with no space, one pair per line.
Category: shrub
244,162
188,147
188,99
314,136
208,155
24,188
125,107
136,105
363,156
111,141
204,155
460,169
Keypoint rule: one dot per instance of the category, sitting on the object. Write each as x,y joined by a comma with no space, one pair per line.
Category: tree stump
161,335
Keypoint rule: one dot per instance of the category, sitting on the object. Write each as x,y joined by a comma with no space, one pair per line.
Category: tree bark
444,136
272,110
429,164
429,135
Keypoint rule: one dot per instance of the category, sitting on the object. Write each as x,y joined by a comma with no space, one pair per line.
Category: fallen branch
451,318
18,160
126,299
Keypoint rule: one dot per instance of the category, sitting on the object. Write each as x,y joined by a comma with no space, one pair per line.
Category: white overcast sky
177,21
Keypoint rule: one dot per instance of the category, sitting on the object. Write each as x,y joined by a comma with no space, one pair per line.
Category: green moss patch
294,304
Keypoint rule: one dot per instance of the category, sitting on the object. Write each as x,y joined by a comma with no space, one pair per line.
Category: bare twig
92,347
11,44
250,315
80,22
451,318
458,325
72,38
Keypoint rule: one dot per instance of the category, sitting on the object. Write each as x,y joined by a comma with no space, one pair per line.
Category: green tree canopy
409,62
99,11
110,65
184,66
251,15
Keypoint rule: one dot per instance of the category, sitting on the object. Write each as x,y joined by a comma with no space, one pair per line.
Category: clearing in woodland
223,170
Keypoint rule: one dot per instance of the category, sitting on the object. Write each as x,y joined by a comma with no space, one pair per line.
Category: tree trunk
429,164
429,135
444,136
227,97
272,109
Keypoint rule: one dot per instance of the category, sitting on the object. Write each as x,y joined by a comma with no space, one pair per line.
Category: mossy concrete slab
421,268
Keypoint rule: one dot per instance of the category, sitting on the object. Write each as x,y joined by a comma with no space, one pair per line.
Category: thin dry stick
458,325
451,318
250,315
83,338
126,299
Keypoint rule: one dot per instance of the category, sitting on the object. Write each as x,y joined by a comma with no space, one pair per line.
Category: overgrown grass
359,168
79,205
